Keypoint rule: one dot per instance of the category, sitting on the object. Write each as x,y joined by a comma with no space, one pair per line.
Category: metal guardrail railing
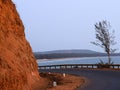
87,66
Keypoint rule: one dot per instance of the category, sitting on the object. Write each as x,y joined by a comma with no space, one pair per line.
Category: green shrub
103,64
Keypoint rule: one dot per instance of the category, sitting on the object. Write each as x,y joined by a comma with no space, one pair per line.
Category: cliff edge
18,68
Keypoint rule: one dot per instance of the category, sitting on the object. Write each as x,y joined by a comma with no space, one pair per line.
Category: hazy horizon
66,24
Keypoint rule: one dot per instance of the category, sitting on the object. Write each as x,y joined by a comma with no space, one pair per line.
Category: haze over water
85,60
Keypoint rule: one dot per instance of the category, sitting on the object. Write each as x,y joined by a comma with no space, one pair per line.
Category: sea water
83,60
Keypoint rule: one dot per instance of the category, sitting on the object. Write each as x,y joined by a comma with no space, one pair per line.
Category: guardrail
87,66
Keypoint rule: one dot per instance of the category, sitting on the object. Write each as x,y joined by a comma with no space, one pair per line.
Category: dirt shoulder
69,82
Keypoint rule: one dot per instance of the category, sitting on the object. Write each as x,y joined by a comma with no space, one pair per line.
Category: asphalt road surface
98,79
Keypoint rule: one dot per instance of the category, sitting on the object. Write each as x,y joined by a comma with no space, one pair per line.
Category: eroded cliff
18,68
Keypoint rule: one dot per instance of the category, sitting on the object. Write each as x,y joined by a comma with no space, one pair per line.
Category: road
98,79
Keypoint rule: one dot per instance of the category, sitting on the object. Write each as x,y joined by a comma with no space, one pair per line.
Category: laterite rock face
18,67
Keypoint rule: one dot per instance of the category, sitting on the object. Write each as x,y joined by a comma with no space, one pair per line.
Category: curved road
99,79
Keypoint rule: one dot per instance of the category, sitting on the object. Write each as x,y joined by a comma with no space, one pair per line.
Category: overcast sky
66,24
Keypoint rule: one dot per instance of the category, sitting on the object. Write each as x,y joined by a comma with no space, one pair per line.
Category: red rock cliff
18,68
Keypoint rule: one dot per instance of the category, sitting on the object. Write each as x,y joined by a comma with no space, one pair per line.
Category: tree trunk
109,59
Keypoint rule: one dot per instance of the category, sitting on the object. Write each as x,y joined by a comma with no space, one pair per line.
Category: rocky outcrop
18,68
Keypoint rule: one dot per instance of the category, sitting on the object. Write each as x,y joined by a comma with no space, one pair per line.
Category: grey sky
66,24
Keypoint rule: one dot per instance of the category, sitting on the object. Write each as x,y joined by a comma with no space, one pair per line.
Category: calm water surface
85,60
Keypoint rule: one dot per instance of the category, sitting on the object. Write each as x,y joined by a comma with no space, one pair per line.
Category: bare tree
105,38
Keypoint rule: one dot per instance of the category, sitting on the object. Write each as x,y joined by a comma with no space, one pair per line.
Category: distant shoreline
65,56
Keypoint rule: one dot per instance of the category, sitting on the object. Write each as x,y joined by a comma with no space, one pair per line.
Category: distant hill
69,54
69,51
